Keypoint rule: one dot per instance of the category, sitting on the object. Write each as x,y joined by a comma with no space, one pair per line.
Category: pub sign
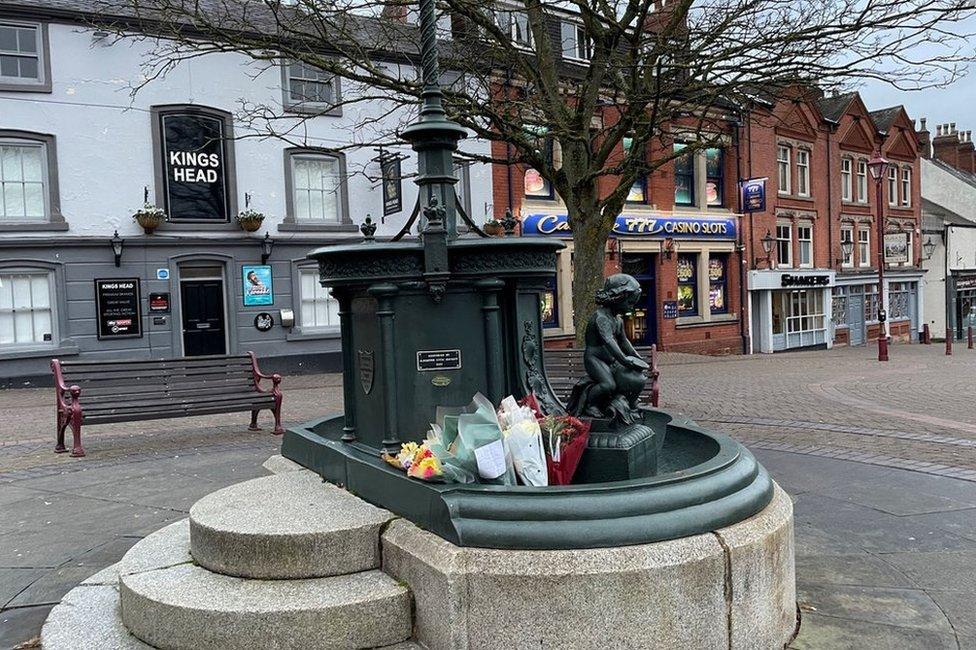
118,307
194,161
753,194
392,185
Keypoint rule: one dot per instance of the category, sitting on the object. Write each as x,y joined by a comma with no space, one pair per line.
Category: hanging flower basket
494,228
149,217
249,220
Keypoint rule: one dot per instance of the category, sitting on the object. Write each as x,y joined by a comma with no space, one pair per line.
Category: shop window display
718,284
687,285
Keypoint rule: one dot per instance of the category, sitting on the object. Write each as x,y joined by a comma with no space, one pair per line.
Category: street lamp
767,244
846,249
117,244
879,167
928,248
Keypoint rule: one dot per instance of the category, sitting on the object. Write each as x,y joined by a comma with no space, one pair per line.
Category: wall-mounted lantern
267,245
117,245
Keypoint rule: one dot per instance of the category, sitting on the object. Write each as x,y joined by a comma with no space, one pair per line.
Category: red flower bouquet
564,438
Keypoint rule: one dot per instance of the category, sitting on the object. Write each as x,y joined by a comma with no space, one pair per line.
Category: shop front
687,269
963,287
854,313
790,309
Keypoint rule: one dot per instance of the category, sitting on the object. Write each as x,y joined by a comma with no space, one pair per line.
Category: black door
641,325
203,317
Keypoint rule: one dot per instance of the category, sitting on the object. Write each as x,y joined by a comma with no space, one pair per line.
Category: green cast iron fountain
432,320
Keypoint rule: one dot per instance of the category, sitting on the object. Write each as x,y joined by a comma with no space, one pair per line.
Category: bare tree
645,70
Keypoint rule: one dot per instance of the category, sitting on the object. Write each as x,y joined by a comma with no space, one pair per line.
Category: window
718,283
847,235
900,300
714,176
535,184
803,172
23,196
687,285
684,176
846,180
317,182
318,310
784,244
804,240
863,247
892,185
516,25
576,42
862,181
839,307
26,308
638,191
783,165
23,57
462,172
906,187
308,88
871,303
549,305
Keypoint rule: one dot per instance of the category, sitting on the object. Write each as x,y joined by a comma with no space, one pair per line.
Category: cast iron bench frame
564,367
187,386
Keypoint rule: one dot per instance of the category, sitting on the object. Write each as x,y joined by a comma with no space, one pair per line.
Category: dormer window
516,25
576,43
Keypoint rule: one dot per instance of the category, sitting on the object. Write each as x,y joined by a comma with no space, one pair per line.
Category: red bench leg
76,449
62,425
254,422
276,393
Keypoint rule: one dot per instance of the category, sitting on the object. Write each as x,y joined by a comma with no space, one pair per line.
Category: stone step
287,526
186,607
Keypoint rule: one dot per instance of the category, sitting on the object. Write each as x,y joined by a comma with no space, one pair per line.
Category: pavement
880,460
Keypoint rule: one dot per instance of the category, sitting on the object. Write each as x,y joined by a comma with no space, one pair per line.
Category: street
879,459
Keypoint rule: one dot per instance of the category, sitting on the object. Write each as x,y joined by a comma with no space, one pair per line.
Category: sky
956,103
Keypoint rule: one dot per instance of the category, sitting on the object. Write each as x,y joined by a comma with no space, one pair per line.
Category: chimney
966,153
924,140
945,146
395,11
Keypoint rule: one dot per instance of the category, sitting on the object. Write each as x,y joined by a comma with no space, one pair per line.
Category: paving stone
291,525
21,624
860,569
819,632
908,608
949,571
960,609
13,581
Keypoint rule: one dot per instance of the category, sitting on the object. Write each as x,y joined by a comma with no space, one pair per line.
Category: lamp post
846,249
879,166
767,244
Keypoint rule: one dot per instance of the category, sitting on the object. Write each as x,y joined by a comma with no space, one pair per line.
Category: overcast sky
957,103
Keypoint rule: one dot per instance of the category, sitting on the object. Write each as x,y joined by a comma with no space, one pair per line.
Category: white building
77,152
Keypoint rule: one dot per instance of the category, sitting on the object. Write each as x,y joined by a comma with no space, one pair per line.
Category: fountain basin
705,481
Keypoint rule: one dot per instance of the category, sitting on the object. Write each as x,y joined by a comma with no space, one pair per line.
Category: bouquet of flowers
418,461
564,438
524,441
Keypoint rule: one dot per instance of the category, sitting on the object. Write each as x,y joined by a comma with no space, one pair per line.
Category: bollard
948,342
969,336
926,334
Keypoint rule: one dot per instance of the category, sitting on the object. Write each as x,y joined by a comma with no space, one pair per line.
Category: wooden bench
95,392
564,367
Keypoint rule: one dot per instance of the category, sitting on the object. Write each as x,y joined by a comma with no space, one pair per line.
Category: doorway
856,326
203,312
641,326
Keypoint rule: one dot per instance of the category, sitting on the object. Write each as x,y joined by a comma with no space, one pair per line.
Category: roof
833,107
885,117
965,177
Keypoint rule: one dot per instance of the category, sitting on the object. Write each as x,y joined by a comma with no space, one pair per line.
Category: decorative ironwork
368,228
509,222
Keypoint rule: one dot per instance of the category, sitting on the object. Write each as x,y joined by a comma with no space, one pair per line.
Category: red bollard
970,336
948,342
926,334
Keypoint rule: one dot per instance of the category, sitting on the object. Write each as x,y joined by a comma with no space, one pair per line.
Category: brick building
710,286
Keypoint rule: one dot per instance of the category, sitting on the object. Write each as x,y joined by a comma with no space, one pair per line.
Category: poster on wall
258,289
194,161
118,308
392,185
896,247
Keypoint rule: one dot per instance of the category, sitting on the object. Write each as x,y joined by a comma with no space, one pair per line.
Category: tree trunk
590,241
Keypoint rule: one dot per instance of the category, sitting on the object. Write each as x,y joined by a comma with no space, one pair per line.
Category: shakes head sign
194,165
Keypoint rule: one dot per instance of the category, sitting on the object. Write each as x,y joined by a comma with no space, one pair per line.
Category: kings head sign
640,225
195,161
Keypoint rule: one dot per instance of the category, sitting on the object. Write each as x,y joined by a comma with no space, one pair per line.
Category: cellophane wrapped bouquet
564,438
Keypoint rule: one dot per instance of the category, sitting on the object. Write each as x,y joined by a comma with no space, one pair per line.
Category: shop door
855,316
641,325
965,312
202,306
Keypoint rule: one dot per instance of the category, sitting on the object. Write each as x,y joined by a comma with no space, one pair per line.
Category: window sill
41,87
293,226
691,322
315,110
27,226
66,349
298,334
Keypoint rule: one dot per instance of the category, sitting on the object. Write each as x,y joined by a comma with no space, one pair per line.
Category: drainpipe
743,273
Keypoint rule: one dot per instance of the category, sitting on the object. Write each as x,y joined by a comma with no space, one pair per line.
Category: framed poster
159,303
392,185
896,247
258,288
118,308
194,167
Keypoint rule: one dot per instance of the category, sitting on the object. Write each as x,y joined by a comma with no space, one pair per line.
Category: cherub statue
615,370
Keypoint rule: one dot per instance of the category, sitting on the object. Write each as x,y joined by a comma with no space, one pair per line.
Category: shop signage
159,303
258,288
162,274
788,280
438,360
118,308
966,282
896,247
753,195
193,151
263,322
392,185
670,309
641,226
